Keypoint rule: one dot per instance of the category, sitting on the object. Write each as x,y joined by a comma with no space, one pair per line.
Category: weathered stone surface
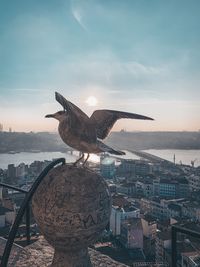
40,254
14,254
72,207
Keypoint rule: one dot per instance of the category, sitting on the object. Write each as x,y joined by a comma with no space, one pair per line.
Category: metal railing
25,207
178,229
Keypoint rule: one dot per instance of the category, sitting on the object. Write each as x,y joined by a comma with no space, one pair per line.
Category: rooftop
149,218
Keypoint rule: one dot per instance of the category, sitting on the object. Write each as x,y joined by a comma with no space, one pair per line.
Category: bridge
150,157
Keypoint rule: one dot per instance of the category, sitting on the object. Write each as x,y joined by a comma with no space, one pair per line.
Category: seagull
85,133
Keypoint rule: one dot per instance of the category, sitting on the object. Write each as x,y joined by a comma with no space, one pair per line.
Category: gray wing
80,123
105,119
69,107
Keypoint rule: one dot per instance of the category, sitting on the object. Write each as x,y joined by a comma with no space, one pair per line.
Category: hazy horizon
113,131
136,56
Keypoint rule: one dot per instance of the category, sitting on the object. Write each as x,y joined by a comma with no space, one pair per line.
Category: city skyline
136,56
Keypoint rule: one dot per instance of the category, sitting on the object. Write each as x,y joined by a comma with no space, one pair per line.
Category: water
181,155
28,158
184,156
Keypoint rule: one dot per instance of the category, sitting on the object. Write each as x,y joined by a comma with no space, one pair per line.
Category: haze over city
137,56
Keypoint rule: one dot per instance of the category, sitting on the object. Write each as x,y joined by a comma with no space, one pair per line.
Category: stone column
72,207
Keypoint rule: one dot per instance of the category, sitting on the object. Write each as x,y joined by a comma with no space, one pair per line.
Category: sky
140,56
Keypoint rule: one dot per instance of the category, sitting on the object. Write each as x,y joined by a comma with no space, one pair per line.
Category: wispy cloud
78,15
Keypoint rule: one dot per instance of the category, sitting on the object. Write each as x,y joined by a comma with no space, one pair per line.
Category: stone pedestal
72,207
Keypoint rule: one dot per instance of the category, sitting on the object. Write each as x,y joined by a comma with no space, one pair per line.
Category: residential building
128,189
11,171
155,206
6,216
163,244
174,210
119,214
191,210
194,182
171,188
131,233
134,167
149,226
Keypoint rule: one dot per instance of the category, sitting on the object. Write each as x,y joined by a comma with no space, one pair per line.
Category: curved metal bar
27,209
13,187
22,209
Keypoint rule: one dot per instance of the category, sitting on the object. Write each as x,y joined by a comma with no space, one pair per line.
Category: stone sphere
72,207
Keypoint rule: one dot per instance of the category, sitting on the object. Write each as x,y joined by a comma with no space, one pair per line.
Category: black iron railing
178,229
25,207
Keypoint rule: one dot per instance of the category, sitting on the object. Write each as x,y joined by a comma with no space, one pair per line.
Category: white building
119,214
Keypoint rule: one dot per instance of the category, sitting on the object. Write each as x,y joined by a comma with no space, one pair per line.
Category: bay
181,155
185,156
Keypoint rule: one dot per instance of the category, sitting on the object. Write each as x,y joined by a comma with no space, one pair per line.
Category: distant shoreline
16,142
67,150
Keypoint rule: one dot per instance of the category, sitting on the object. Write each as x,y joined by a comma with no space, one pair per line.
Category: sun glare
91,101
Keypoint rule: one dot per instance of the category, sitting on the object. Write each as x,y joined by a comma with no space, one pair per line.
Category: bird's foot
78,160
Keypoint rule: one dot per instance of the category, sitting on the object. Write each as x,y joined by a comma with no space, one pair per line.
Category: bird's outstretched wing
105,119
79,122
70,107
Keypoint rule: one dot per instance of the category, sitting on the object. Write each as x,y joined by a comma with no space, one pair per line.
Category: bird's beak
49,116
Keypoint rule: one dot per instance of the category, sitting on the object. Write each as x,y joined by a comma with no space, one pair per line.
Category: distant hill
155,140
45,141
17,141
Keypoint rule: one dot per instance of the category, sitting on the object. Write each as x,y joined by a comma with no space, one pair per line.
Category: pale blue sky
140,56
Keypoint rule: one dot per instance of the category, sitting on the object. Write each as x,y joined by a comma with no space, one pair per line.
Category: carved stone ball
72,207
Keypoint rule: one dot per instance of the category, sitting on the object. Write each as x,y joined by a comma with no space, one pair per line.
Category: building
144,188
131,235
130,167
11,171
174,210
121,213
128,189
1,127
21,170
107,167
167,188
163,244
171,188
156,207
191,210
149,226
7,216
194,182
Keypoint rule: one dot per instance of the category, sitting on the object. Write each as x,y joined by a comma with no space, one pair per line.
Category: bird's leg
75,163
86,159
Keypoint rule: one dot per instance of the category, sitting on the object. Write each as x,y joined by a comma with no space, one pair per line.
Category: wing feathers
105,119
69,107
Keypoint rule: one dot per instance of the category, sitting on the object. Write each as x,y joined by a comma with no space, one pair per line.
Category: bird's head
60,115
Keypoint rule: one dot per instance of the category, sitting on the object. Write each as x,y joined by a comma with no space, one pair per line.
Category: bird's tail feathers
108,149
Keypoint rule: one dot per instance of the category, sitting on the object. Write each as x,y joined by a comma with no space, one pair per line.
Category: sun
91,101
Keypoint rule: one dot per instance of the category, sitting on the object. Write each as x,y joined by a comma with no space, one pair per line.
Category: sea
181,156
